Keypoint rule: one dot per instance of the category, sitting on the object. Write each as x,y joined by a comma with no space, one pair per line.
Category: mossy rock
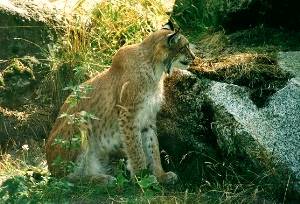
18,82
183,127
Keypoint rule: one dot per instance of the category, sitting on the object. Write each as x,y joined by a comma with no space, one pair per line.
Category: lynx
125,100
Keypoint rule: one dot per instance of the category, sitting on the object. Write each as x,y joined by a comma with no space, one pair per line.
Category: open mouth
184,62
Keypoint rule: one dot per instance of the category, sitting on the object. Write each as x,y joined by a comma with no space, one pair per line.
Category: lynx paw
168,178
109,180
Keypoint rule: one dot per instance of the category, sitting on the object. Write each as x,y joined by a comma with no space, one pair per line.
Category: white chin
184,67
179,65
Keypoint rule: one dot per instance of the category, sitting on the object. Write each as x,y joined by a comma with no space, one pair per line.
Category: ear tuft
168,26
173,38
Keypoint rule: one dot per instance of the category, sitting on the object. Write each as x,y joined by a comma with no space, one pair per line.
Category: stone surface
25,29
266,135
290,61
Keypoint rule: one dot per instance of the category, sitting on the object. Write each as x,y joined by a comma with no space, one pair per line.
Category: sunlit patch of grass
17,160
24,178
90,40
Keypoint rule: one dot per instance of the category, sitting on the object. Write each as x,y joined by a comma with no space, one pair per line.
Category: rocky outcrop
215,117
27,32
25,28
290,61
269,136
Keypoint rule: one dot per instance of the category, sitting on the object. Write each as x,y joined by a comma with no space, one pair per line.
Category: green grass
24,178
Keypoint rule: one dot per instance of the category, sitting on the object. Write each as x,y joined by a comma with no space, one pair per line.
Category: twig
286,188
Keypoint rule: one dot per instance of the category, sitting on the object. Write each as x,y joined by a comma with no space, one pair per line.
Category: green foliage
78,121
196,15
78,92
28,189
222,182
73,143
35,187
78,118
149,185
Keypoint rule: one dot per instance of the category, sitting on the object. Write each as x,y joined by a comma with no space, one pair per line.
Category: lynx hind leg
151,148
102,179
92,167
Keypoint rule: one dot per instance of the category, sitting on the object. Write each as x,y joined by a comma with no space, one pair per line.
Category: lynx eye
184,47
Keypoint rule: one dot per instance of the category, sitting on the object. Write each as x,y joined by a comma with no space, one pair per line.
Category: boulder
222,120
290,62
268,136
27,33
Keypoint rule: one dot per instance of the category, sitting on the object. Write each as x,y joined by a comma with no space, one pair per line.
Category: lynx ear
173,38
168,26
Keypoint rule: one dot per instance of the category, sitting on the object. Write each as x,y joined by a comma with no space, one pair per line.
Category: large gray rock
268,136
290,61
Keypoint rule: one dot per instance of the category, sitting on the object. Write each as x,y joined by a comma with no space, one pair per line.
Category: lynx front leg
136,159
151,147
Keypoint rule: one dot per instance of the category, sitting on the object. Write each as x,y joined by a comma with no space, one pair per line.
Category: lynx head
169,48
178,48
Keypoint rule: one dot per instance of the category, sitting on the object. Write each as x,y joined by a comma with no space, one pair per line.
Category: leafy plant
148,185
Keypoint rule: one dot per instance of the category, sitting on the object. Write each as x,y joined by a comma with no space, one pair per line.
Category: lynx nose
192,55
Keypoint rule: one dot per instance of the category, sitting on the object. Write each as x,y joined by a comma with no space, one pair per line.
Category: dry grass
91,39
246,58
17,160
88,41
237,65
